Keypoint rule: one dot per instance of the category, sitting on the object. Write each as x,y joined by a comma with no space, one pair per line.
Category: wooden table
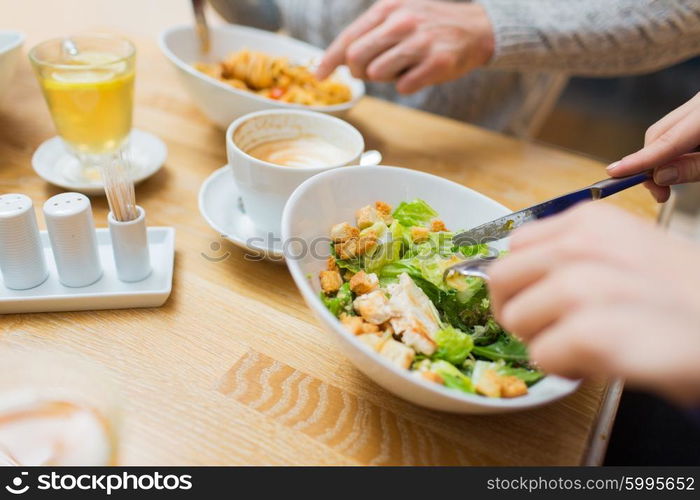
233,369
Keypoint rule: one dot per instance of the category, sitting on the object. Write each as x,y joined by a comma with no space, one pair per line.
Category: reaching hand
597,291
413,42
668,149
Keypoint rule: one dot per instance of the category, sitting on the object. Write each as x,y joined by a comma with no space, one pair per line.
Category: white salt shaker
73,239
21,256
130,247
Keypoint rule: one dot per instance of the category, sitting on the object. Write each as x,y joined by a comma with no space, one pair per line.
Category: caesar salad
384,281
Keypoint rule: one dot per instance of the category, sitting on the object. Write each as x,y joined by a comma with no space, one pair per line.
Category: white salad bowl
222,103
334,196
10,48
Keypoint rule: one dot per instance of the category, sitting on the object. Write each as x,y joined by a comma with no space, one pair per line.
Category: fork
201,25
476,266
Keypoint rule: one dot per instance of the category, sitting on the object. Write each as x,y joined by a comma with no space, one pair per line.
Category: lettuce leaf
453,345
473,250
506,347
527,375
487,333
341,302
453,378
414,213
388,251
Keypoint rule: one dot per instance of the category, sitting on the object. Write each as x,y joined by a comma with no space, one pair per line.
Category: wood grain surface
233,369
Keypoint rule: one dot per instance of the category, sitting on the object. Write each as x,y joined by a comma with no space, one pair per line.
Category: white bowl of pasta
249,70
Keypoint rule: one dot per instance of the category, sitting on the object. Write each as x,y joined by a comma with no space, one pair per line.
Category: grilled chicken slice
415,318
373,307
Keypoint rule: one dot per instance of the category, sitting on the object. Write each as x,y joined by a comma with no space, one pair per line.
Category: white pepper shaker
22,259
73,239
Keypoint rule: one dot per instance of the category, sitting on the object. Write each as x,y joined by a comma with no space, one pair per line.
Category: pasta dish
275,78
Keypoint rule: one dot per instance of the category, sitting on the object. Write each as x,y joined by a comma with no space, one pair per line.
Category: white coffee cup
265,187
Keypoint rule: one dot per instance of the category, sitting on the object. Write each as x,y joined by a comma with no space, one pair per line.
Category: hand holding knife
503,226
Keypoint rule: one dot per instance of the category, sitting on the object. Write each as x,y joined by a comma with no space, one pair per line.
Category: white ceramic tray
106,293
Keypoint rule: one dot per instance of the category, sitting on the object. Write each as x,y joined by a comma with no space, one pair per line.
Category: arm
263,14
593,37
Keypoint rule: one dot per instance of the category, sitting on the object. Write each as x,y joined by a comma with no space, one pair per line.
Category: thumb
684,169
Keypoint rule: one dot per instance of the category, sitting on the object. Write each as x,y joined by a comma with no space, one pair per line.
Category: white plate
106,293
222,103
334,196
221,207
51,161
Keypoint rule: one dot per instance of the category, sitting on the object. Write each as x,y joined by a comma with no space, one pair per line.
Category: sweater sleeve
262,14
593,37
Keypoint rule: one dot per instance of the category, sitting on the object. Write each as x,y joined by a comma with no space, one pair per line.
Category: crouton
419,234
373,307
383,208
432,377
489,384
330,281
512,387
348,274
366,216
362,283
352,323
331,264
398,353
357,326
372,340
384,212
367,242
344,231
346,249
369,328
436,225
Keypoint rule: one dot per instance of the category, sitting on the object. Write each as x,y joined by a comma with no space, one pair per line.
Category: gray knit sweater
538,44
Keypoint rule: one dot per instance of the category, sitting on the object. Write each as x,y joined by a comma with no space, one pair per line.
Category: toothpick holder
130,246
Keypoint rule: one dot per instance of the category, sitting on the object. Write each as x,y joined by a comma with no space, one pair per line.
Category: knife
503,226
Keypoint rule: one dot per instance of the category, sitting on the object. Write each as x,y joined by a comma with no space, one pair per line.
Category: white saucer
51,160
220,205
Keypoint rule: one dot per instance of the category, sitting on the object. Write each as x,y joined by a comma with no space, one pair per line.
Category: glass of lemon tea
88,83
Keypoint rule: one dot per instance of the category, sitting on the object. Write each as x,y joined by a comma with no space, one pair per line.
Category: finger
681,138
533,309
541,231
335,54
682,170
514,272
395,61
365,49
671,119
571,349
660,193
537,232
432,70
590,283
